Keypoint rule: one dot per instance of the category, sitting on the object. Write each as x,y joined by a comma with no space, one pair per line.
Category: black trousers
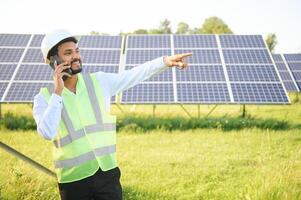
101,186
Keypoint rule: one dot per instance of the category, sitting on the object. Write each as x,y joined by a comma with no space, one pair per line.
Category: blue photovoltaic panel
10,55
100,56
201,56
6,71
294,66
134,57
24,92
241,41
103,41
33,56
258,93
286,75
277,58
15,40
148,41
281,66
195,41
293,57
2,89
34,72
290,86
254,73
149,93
36,41
201,73
97,68
246,56
165,76
203,93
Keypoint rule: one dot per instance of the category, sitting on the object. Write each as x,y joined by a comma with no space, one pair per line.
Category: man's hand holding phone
58,76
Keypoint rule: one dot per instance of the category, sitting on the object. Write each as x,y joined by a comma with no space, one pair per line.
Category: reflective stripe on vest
98,127
85,157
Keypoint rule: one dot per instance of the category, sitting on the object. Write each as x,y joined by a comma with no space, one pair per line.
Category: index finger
183,55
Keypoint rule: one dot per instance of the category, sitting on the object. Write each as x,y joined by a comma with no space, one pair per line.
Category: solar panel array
23,71
223,68
285,73
294,63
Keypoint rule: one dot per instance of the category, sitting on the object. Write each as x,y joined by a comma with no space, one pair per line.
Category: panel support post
211,111
119,107
154,110
185,110
243,115
26,159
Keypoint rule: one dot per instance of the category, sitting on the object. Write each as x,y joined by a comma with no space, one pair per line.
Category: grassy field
193,164
200,164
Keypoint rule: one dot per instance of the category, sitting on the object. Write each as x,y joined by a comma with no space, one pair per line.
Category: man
75,114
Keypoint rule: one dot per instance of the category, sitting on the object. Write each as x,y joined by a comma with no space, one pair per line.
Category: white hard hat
53,38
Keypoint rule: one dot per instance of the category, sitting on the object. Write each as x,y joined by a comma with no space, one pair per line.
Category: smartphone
58,62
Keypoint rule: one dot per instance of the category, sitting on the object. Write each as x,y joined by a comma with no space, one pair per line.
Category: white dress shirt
48,114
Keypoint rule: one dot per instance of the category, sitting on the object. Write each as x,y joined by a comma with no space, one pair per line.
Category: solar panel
223,68
33,56
34,73
203,93
201,56
252,73
201,73
100,42
36,41
195,41
241,41
285,73
100,56
165,76
7,71
29,72
246,56
149,93
135,57
10,55
24,92
149,41
14,40
258,92
3,86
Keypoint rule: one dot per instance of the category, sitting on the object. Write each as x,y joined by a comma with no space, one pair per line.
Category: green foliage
183,28
225,124
12,122
271,41
215,25
140,31
165,27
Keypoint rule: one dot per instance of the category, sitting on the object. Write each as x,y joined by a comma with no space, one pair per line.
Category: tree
140,31
182,28
271,41
155,31
215,25
165,27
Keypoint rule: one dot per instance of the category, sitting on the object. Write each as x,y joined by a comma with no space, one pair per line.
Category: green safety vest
86,139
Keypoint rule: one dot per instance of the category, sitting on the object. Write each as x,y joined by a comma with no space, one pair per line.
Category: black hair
54,50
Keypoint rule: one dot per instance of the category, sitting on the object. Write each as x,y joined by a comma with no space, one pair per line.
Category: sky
281,17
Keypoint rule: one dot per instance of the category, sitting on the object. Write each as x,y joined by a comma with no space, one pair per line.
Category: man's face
69,52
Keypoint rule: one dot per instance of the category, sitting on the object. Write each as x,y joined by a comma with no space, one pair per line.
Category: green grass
196,164
199,164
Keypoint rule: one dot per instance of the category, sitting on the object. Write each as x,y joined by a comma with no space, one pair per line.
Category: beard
79,69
